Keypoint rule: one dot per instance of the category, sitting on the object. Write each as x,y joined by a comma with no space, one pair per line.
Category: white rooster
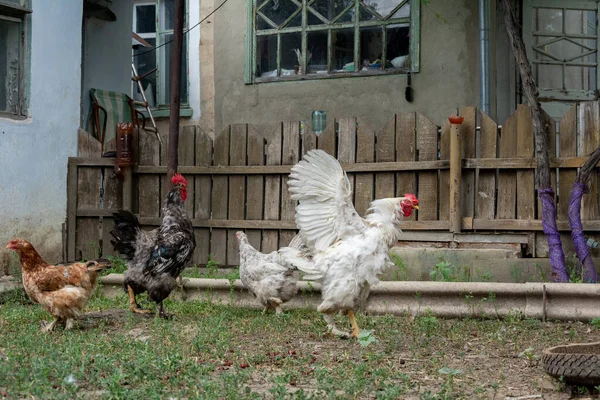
347,252
264,275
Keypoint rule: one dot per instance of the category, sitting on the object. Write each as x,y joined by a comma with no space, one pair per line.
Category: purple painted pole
555,250
581,248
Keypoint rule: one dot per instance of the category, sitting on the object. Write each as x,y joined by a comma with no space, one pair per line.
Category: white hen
269,281
347,252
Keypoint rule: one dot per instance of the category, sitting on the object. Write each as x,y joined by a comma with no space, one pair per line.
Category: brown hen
63,290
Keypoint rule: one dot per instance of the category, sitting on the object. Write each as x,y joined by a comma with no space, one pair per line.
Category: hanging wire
185,32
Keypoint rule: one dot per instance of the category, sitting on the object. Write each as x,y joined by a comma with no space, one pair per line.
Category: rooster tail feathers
125,233
292,258
98,264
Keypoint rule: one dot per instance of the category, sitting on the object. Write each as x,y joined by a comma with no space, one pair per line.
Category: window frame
19,13
251,39
161,51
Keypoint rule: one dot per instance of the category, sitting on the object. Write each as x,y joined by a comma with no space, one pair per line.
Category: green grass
212,351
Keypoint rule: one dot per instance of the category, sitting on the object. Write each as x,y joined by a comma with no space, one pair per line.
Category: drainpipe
484,56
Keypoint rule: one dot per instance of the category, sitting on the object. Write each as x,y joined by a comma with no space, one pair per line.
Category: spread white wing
325,212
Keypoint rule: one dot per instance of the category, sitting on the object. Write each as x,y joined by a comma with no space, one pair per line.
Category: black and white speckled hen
264,275
155,258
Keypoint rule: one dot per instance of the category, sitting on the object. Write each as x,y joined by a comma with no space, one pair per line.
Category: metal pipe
176,53
484,56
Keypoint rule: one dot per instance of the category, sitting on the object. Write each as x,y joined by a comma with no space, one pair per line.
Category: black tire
578,364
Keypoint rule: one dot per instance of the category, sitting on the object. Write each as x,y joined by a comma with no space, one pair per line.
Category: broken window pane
342,49
397,46
371,48
266,56
9,66
317,52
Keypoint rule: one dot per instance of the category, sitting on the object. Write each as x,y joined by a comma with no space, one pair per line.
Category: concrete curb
555,301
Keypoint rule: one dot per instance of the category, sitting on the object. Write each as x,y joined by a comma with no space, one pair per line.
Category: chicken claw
331,328
133,305
162,313
48,327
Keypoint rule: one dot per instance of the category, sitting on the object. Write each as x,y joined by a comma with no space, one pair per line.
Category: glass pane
383,7
331,8
398,46
145,17
291,44
371,48
403,12
576,77
342,50
581,22
165,71
9,66
143,64
349,16
167,14
295,22
549,76
317,47
266,56
262,23
278,11
366,15
313,19
549,20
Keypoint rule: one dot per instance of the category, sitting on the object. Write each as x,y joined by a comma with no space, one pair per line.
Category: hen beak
416,207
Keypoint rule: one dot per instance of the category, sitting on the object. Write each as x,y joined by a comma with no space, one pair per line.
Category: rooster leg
70,323
133,305
162,313
278,310
355,328
330,319
49,327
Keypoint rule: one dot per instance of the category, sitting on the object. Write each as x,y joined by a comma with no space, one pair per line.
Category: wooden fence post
455,174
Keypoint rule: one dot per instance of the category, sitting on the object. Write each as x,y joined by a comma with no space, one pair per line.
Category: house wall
107,54
33,193
449,76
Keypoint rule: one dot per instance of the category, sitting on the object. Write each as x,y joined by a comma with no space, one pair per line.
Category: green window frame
299,23
14,73
564,62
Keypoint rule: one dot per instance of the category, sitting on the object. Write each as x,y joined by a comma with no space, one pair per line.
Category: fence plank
507,180
202,198
467,132
385,150
148,186
87,243
165,184
444,175
326,140
486,190
551,142
589,140
113,200
428,181
365,153
237,188
567,136
525,178
347,145
406,182
255,184
308,137
289,156
273,187
218,237
186,156
71,209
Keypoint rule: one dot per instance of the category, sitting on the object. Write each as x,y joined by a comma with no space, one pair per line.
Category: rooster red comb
412,198
178,179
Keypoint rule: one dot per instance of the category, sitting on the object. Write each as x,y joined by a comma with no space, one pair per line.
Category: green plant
595,322
448,386
529,355
400,272
447,272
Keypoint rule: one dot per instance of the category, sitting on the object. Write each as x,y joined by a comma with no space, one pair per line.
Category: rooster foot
278,310
164,315
48,327
139,310
70,323
335,332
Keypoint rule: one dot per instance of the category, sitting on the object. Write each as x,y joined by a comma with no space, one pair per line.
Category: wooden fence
238,180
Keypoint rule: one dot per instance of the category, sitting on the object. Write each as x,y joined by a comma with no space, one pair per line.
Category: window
13,48
153,21
562,42
304,39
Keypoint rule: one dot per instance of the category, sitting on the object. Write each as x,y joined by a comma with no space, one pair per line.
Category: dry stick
579,189
555,250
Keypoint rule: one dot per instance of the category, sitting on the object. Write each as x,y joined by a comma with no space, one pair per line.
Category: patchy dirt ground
209,351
